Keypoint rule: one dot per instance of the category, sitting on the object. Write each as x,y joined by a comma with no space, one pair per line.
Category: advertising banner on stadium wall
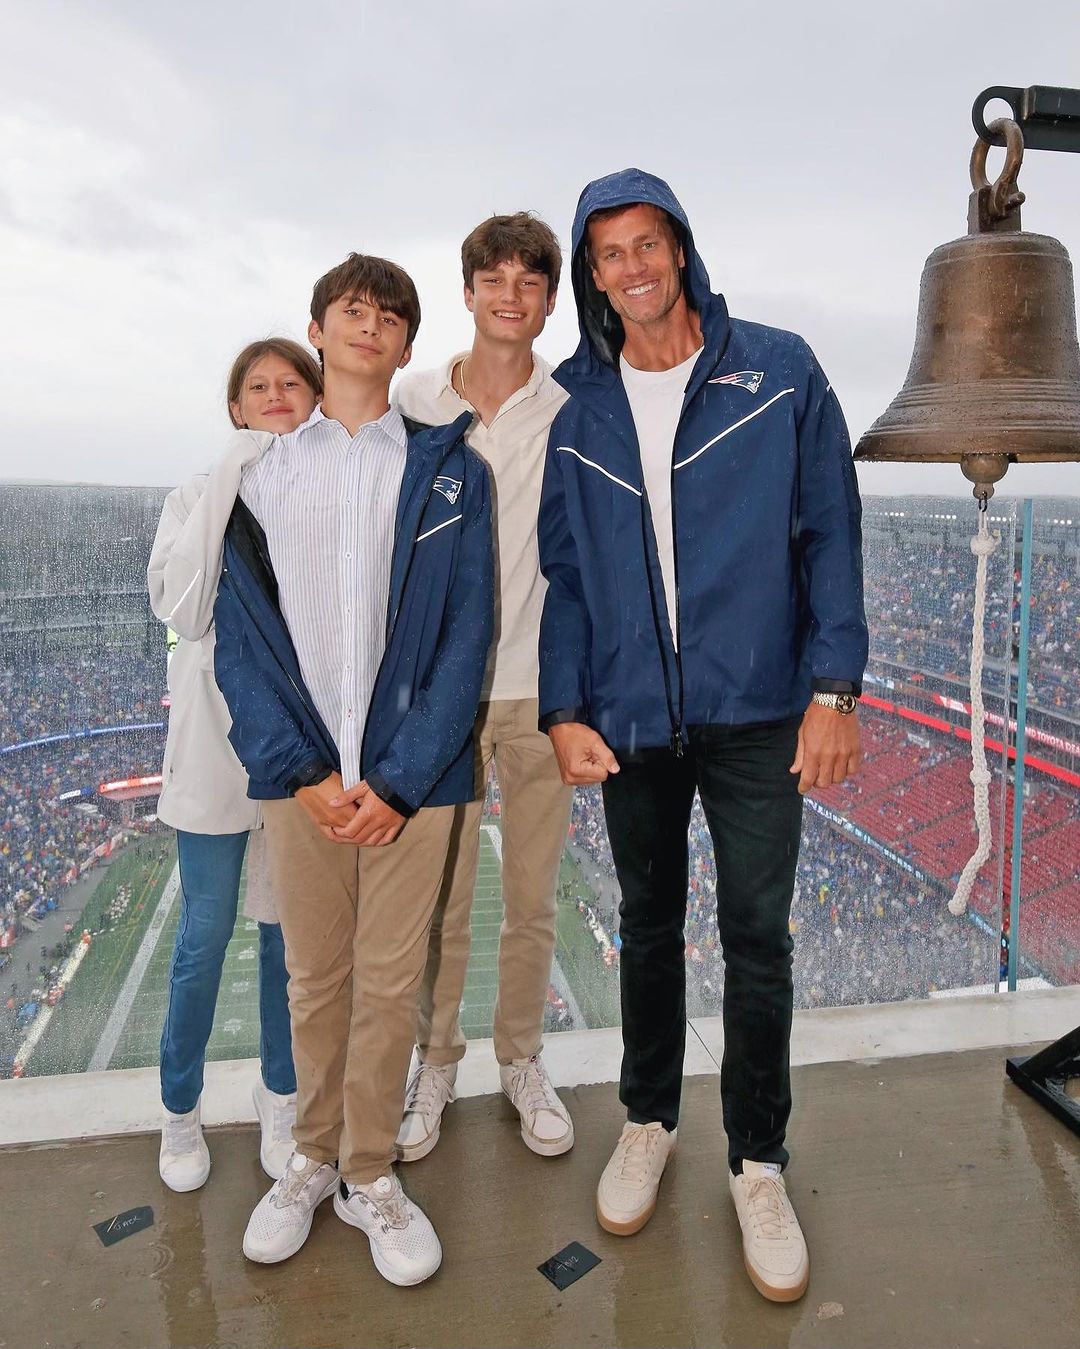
870,841
1047,738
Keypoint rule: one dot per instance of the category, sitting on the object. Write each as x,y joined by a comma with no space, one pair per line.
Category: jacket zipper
678,745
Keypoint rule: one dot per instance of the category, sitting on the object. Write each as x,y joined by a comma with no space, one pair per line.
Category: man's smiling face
635,262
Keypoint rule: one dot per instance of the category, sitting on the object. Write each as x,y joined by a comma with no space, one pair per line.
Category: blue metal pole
1020,743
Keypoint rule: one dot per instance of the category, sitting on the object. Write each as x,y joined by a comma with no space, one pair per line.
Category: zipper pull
676,744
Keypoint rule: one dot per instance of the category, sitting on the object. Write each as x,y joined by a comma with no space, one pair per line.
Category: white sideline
114,1026
36,1110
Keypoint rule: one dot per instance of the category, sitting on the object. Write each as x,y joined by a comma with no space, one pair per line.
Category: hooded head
601,327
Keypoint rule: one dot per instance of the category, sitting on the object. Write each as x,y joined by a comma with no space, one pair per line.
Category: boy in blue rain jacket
353,622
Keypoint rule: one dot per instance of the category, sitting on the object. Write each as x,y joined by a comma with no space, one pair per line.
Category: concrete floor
942,1207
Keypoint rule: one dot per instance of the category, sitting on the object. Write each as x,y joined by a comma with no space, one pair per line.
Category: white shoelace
181,1135
287,1190
428,1091
765,1200
530,1085
637,1147
390,1205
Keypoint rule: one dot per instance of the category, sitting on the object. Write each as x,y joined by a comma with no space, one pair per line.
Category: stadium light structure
995,380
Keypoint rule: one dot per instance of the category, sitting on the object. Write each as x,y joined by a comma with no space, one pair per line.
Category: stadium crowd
920,615
41,839
97,686
864,930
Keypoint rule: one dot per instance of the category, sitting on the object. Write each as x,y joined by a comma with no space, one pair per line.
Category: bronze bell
995,376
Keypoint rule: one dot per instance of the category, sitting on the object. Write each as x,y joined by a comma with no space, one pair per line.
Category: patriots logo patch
745,379
449,487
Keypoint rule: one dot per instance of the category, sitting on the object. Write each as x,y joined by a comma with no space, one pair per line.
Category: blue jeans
210,866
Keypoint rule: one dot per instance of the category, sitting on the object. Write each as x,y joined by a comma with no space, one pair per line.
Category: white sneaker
184,1158
281,1220
403,1242
430,1090
626,1195
277,1115
774,1249
546,1126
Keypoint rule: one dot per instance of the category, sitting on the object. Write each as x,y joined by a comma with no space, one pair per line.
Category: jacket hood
601,328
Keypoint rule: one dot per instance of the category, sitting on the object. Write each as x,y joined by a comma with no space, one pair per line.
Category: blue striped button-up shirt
327,501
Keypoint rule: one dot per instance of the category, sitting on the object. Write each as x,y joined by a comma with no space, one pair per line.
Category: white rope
982,545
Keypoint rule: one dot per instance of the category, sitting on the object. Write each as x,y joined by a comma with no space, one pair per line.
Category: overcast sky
176,176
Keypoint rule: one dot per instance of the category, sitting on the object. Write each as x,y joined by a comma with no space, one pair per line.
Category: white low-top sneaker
277,1115
774,1249
403,1242
546,1126
429,1091
184,1158
626,1195
281,1220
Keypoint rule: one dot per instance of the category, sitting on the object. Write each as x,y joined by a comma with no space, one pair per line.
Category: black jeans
754,813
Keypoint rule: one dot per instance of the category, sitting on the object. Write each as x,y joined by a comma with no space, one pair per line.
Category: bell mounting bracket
1048,117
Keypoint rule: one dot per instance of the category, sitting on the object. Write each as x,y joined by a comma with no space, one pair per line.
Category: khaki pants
535,820
355,922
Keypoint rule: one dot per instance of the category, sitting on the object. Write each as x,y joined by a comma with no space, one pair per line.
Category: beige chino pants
355,923
535,820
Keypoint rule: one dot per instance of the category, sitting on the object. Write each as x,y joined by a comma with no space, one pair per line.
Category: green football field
236,1022
113,1013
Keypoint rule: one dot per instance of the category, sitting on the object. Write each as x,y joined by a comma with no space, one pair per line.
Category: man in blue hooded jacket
703,630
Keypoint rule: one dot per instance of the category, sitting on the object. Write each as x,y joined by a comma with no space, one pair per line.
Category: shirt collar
540,371
390,422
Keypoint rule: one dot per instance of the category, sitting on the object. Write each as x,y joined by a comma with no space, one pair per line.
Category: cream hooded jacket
204,787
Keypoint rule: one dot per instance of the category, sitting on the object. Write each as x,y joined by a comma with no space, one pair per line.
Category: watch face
845,702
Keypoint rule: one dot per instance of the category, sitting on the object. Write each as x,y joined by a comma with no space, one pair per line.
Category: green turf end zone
74,1034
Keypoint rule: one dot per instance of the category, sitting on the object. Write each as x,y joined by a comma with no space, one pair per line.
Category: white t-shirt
656,399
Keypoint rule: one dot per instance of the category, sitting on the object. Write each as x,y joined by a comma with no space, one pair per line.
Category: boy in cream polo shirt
511,270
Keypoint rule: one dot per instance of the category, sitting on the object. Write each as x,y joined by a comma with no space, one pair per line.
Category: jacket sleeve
185,561
266,736
565,627
442,716
828,534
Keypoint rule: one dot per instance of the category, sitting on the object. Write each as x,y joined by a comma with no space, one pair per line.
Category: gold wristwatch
844,703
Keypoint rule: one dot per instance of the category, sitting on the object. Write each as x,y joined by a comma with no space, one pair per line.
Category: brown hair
301,360
502,238
383,283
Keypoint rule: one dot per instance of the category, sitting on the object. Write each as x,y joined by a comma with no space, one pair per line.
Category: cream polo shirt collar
540,371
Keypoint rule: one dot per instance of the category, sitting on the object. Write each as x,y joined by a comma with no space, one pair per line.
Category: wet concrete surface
941,1205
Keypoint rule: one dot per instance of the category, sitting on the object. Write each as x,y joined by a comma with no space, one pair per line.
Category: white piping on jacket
566,449
420,537
742,422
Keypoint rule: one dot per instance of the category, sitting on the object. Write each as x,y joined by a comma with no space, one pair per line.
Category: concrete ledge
52,1110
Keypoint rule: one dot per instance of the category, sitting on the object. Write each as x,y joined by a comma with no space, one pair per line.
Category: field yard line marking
110,1036
558,979
495,839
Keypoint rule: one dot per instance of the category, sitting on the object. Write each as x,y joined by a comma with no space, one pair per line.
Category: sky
175,177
